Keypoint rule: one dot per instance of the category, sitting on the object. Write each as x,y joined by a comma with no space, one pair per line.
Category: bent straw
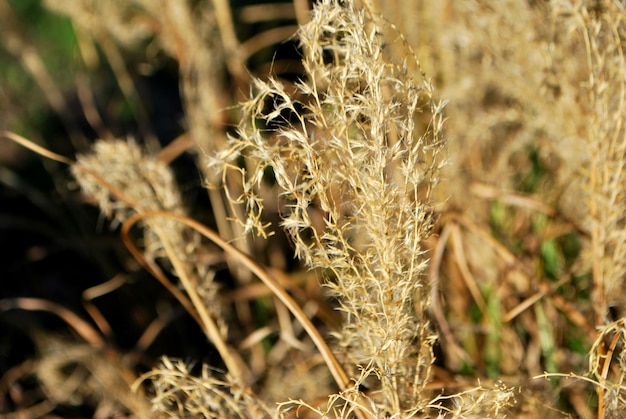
339,374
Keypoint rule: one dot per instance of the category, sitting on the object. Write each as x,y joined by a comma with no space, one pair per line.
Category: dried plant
361,151
348,161
602,28
558,89
180,393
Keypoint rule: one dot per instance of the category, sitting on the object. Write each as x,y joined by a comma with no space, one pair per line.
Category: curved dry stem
84,329
26,143
206,321
150,267
340,376
154,269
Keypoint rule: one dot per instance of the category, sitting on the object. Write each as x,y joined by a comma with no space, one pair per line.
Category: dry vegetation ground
352,209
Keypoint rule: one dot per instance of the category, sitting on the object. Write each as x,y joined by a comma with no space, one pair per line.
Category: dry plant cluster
417,212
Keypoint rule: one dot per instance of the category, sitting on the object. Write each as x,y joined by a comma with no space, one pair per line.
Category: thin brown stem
339,374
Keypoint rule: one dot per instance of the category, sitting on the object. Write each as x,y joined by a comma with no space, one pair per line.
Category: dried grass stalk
363,147
602,26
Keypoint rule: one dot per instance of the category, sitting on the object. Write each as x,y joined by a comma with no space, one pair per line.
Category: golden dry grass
449,176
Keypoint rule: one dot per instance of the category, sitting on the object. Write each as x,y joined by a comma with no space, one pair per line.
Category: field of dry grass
340,209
